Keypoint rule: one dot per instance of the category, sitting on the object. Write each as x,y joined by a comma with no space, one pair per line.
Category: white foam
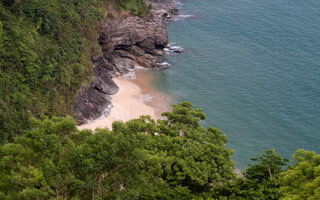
183,17
173,47
140,67
131,75
168,51
146,98
164,64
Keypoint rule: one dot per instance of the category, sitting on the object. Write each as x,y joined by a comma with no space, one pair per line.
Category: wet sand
135,98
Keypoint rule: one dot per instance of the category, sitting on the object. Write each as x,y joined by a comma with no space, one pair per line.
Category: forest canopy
45,56
175,158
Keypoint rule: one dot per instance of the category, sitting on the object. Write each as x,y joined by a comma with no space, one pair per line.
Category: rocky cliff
133,40
165,9
126,41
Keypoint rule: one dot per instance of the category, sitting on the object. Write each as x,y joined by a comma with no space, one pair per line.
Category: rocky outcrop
133,40
95,100
126,41
90,105
165,9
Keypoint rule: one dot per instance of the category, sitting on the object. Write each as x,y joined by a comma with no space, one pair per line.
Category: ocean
254,68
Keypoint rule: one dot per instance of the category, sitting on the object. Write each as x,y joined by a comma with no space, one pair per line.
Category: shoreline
127,42
135,98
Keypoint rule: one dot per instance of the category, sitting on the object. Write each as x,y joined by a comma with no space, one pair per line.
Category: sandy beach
135,98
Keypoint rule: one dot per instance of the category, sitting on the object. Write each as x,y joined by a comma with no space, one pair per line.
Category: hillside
46,49
56,55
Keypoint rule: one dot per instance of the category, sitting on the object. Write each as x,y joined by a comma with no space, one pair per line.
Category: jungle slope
46,49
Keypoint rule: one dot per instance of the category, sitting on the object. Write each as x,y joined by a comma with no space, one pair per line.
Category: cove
254,68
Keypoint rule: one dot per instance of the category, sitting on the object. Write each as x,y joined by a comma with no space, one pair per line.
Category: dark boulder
133,37
90,105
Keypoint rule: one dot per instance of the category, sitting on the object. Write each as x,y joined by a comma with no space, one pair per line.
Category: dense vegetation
45,52
45,49
45,56
138,7
174,158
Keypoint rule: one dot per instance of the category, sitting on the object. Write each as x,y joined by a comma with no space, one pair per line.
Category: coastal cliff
126,40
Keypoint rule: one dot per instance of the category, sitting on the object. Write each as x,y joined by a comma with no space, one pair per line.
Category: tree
269,166
174,158
302,181
45,56
260,180
189,159
11,2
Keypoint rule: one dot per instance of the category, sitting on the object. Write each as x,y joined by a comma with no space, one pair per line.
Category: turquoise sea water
254,68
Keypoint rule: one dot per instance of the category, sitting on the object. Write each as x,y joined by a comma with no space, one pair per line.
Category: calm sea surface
254,68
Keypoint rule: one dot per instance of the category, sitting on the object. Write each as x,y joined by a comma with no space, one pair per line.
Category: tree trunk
269,170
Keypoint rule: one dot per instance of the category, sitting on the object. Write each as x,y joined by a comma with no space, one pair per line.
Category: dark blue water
254,68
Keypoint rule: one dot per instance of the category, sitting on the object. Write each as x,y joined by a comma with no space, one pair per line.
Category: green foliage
45,56
302,181
45,52
246,189
269,166
140,159
174,158
137,7
11,2
260,181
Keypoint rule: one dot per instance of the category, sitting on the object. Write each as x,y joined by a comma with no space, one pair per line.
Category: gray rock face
125,41
90,105
94,100
164,9
148,60
139,39
103,73
123,64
